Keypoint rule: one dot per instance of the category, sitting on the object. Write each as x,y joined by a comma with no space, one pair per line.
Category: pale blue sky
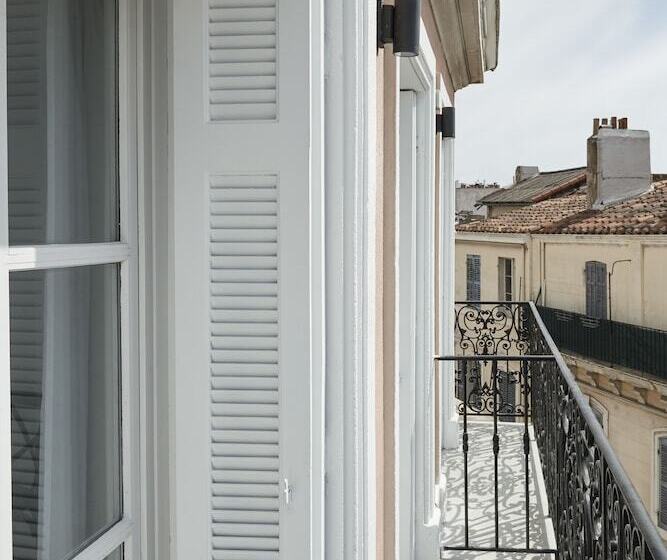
561,64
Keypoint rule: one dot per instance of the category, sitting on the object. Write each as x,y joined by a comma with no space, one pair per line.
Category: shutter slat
245,555
239,436
249,248
243,276
262,396
244,342
247,530
248,369
248,423
244,477
244,395
244,329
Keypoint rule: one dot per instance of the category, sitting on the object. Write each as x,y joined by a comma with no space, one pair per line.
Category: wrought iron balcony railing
509,369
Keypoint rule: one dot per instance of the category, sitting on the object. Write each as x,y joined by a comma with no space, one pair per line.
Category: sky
562,63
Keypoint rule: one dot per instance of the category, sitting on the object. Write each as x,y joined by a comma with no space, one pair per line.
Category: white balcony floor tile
511,499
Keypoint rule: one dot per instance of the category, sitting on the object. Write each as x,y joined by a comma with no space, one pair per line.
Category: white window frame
502,277
427,511
123,253
449,413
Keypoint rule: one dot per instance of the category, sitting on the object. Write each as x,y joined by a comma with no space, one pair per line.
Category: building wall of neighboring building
489,253
637,287
498,209
467,197
555,270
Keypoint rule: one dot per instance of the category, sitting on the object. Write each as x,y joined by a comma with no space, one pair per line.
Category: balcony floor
481,491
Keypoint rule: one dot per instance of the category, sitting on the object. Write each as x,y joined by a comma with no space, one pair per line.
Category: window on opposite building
596,289
473,277
661,477
600,413
505,279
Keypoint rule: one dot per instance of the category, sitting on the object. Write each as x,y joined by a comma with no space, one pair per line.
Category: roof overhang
468,31
489,237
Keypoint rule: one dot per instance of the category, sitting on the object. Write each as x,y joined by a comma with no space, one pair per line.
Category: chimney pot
596,126
605,121
623,123
614,121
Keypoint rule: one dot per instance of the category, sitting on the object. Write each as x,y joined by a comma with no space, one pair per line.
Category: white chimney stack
525,172
619,163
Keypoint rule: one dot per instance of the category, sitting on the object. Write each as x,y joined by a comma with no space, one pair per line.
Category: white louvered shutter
473,277
241,290
662,489
596,289
26,125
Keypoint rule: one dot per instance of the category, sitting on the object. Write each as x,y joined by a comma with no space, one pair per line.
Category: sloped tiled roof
533,217
646,214
533,188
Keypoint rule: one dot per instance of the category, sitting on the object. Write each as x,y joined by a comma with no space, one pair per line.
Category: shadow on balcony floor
511,497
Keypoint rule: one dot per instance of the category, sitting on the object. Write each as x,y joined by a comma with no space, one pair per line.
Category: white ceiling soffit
469,33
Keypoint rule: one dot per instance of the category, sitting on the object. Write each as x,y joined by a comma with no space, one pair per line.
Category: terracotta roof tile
531,218
644,215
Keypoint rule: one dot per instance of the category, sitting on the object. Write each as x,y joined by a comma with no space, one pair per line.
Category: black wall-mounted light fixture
399,24
445,122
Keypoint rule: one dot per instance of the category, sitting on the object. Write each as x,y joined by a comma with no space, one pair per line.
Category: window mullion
61,256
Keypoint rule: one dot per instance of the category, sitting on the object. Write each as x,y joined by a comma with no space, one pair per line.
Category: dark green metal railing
609,342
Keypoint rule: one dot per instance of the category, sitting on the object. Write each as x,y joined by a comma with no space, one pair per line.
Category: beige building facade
553,269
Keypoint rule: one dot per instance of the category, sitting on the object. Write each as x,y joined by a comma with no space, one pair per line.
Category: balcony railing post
524,376
465,448
496,446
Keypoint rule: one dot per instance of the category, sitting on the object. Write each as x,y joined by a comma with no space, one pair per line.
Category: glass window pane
65,407
62,121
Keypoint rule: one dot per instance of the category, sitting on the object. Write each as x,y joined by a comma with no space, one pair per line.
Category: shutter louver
242,60
662,512
244,367
27,225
